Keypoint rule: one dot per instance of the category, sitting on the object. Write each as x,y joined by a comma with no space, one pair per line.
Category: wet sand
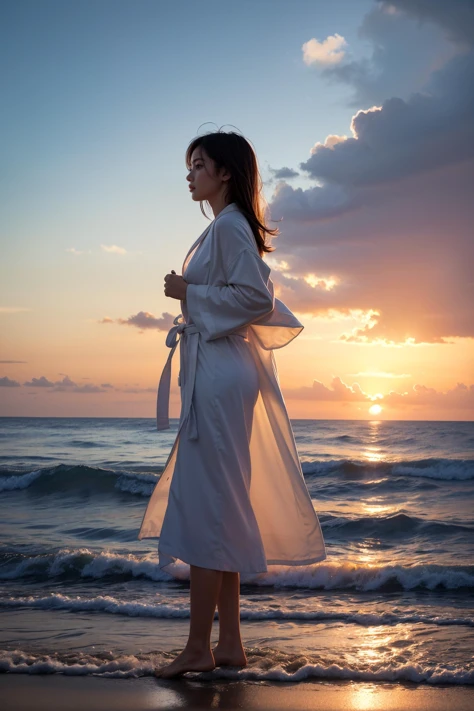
57,692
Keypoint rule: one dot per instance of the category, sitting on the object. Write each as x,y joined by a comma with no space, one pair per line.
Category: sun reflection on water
378,647
373,454
372,508
364,697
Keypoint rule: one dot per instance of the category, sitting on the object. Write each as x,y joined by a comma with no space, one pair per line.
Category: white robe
232,494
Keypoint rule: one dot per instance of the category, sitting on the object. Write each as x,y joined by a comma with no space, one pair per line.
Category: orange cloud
461,396
144,320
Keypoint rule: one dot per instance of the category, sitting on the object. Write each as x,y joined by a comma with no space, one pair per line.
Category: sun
375,409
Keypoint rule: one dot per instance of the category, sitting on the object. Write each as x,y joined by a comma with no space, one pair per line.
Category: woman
232,497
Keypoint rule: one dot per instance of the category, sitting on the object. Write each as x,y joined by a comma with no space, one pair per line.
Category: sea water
79,594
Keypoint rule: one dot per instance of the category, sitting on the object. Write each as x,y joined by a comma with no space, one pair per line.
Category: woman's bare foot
188,660
229,656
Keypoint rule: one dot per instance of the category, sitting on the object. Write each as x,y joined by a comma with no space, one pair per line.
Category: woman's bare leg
229,649
197,655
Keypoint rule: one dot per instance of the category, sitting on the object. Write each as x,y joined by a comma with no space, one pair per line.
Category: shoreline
59,692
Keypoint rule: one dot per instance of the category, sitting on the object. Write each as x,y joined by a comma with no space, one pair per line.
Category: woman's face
203,183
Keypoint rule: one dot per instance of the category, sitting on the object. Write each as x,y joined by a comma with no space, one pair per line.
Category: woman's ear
225,175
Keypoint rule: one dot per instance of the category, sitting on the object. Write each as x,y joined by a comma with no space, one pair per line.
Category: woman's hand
175,286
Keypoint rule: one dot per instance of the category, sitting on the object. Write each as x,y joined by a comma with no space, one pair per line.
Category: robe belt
188,332
182,329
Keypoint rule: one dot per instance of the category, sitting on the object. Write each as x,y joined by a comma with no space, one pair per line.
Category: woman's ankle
230,642
198,647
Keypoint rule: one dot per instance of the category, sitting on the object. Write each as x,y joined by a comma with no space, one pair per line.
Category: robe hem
141,533
176,557
306,561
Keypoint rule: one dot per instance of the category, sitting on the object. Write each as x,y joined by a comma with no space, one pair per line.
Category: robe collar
228,208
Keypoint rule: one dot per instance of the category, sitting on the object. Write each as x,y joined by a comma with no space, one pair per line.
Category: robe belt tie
186,383
188,351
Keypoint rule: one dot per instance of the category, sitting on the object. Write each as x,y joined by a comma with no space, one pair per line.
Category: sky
360,113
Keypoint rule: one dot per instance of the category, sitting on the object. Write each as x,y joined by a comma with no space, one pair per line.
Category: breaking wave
71,478
77,564
430,468
68,479
171,610
264,664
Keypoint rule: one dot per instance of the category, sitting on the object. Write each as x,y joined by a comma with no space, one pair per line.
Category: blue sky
102,99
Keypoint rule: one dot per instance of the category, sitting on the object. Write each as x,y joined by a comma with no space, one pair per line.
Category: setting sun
375,410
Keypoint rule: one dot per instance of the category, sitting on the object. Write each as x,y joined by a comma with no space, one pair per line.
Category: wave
429,468
399,524
69,478
78,564
81,563
264,664
85,443
109,604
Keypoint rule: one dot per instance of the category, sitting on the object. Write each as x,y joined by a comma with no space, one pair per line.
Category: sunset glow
369,193
375,410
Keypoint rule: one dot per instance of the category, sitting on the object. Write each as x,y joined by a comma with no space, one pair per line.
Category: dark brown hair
234,153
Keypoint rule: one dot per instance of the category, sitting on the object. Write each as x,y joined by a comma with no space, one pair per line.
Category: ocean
393,601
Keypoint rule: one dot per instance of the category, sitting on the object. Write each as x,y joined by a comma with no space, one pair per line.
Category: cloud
283,173
388,222
455,18
329,51
146,321
316,203
77,252
69,386
403,138
338,392
13,361
461,396
386,70
12,309
39,383
81,389
66,382
65,385
8,383
113,249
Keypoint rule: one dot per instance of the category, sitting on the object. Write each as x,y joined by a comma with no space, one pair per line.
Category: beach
63,693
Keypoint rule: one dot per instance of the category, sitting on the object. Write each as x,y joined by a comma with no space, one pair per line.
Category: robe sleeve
247,296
